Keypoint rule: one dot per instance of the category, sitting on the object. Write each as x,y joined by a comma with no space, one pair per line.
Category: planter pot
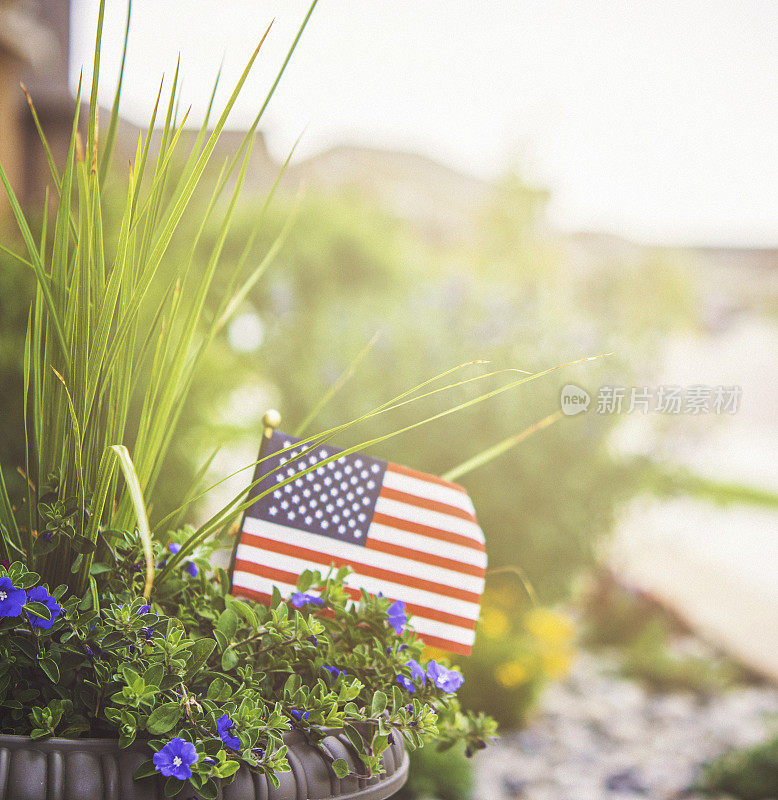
96,769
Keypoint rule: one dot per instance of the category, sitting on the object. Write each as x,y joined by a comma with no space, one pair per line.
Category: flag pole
271,420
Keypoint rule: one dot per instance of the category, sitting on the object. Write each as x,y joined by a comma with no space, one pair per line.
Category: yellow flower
512,674
494,623
556,662
549,626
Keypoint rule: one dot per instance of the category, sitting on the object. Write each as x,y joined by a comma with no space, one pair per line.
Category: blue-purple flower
189,566
334,671
417,671
144,609
299,599
40,595
175,759
299,715
449,680
226,728
406,683
396,616
11,599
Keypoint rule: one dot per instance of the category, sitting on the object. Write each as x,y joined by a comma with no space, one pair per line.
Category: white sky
652,119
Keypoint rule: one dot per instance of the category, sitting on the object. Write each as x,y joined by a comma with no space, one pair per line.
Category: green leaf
379,704
49,666
227,623
340,767
229,660
173,786
145,770
246,611
209,790
164,718
38,610
199,654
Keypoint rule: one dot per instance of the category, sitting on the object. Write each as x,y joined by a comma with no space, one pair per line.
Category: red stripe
423,476
425,558
428,530
419,611
424,611
423,502
446,644
326,559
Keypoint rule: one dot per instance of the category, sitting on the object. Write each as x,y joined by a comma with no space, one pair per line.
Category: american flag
408,535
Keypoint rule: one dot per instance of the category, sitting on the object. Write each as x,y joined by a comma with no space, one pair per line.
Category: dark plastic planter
96,769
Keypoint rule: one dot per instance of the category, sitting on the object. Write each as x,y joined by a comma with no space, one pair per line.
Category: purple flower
396,616
406,683
226,727
11,599
299,599
417,671
189,566
334,671
40,595
449,680
144,609
175,759
299,715
313,640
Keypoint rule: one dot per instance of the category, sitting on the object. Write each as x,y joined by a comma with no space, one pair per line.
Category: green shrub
747,774
446,775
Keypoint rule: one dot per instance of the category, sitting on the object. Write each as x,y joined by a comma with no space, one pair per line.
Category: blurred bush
446,775
505,290
519,649
645,636
750,773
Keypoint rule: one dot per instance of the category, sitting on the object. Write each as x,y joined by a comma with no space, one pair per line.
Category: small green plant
749,773
444,775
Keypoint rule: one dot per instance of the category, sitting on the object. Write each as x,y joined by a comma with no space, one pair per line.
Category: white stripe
428,490
248,580
353,553
443,630
419,597
423,516
426,544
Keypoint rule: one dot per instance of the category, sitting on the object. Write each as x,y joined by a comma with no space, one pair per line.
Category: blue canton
336,499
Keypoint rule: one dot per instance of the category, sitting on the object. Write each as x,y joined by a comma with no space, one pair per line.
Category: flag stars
284,505
272,511
308,519
341,528
371,484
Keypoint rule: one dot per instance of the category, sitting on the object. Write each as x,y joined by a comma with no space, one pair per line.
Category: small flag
410,536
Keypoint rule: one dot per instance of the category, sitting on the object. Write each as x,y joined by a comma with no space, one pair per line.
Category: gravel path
600,737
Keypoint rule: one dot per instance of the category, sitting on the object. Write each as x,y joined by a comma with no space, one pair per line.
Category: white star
290,472
362,517
336,517
338,475
351,523
279,478
277,494
365,501
360,490
317,486
341,528
323,498
350,496
342,460
322,454
306,492
291,515
311,460
313,503
284,505
346,512
340,502
374,468
371,484
358,462
301,465
364,473
287,443
308,519
272,511
319,513
357,534
283,461
328,481
288,488
348,469
295,498
320,470
354,480
329,507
